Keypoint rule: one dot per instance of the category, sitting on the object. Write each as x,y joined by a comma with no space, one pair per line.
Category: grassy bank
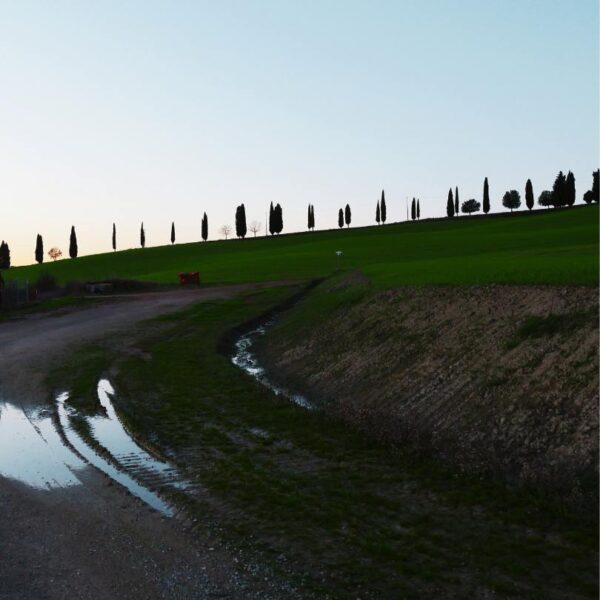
558,246
329,510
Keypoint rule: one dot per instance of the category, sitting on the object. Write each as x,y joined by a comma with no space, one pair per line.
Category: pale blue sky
157,111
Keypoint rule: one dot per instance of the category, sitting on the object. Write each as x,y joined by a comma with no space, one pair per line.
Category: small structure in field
187,278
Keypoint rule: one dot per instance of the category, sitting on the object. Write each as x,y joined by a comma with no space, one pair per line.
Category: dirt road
96,540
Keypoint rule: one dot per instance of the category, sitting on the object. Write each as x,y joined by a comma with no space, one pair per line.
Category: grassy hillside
556,246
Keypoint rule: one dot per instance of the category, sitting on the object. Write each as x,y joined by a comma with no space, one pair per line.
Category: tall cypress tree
529,197
243,224
39,249
204,227
413,209
340,218
596,186
383,208
73,243
312,216
450,204
172,232
570,189
456,204
278,218
486,196
378,214
309,219
114,237
418,210
271,219
142,236
348,215
4,256
559,190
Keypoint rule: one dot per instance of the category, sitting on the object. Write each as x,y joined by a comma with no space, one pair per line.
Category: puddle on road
32,451
245,358
110,433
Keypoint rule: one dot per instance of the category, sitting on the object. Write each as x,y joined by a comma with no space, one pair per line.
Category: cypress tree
243,224
418,210
413,209
311,217
142,236
456,203
383,208
271,219
559,190
450,204
114,237
238,221
378,214
592,195
278,218
73,243
486,196
529,198
4,256
348,215
39,249
341,218
172,232
204,227
570,189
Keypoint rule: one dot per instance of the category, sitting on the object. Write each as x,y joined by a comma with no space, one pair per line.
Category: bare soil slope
497,379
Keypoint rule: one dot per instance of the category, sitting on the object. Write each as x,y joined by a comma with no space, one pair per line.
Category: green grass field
554,247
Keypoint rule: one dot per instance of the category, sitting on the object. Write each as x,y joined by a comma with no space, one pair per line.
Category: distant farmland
543,247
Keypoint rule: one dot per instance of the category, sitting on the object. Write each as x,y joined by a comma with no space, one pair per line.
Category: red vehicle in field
189,277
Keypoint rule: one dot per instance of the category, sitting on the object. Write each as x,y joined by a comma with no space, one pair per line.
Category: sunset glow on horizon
157,112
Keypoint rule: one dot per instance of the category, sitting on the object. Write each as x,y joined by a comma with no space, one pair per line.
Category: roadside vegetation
333,512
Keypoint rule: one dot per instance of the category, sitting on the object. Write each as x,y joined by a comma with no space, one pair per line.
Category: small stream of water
245,358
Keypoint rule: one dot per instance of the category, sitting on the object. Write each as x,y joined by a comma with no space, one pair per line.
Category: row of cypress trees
563,194
345,216
415,209
381,210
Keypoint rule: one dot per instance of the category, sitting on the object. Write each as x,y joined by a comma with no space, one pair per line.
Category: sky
157,111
